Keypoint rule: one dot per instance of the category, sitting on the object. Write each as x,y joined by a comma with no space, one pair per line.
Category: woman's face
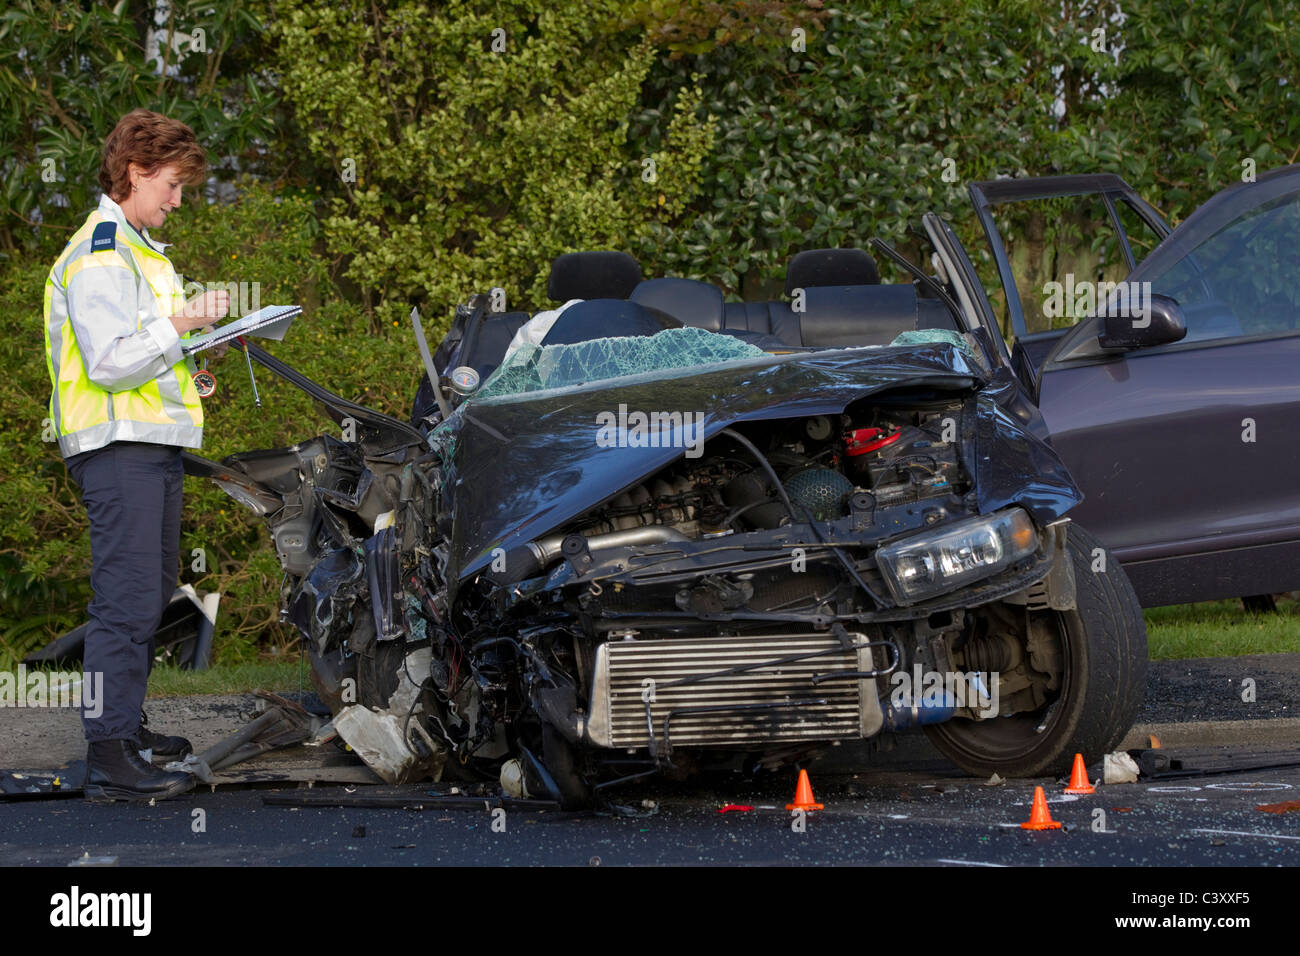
154,196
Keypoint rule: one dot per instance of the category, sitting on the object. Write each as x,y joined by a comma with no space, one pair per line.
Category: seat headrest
857,314
592,275
606,318
821,267
690,301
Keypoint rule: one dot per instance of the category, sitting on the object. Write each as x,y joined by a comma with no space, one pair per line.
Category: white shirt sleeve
122,345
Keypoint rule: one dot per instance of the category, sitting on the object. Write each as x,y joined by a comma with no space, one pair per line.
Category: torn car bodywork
505,593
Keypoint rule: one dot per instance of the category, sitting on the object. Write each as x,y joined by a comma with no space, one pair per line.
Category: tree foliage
69,71
409,151
474,142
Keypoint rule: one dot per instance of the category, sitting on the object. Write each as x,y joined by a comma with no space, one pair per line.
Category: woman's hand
217,351
201,310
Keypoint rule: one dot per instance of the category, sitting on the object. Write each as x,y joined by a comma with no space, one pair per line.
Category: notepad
271,322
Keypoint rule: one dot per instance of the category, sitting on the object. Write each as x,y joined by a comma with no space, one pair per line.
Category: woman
124,405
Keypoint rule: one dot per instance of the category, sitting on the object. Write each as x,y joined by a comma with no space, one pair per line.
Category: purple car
1178,420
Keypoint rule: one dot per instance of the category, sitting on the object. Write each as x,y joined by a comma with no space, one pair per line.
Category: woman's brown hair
152,141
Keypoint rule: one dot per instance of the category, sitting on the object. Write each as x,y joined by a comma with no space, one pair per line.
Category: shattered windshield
534,368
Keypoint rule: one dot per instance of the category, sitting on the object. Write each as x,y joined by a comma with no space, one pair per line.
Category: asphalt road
912,808
920,815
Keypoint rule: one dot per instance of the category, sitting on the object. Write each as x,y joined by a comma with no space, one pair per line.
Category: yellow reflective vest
114,357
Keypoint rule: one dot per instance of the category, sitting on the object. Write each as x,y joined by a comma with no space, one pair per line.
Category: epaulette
104,237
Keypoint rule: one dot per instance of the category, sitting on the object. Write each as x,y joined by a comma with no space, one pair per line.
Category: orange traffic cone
803,796
1079,778
1039,818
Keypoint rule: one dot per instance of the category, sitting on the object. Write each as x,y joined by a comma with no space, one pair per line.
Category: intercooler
731,691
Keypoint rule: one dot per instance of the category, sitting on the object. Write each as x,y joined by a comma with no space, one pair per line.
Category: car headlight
920,567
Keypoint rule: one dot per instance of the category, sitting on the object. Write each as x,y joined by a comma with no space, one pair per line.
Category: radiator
730,691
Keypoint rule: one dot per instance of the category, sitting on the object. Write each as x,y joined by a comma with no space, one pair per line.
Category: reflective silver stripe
97,436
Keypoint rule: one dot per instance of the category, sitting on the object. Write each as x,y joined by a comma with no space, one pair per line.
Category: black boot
164,747
116,771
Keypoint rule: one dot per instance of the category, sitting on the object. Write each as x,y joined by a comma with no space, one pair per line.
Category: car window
1061,250
1241,280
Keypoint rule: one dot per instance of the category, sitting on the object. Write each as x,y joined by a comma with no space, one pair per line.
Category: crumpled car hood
520,466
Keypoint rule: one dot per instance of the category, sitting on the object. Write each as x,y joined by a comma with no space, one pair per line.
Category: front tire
1102,681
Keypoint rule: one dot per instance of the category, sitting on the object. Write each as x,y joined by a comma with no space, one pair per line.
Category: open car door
1055,239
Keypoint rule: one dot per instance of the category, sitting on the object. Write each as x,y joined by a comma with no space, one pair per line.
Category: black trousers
132,494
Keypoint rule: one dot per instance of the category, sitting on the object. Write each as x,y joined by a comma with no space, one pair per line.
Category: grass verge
277,676
1221,629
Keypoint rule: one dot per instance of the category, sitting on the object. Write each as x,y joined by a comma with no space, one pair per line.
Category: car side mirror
1127,326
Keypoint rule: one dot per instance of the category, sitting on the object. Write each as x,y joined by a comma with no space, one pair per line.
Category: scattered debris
512,779
359,831
380,737
15,786
735,808
1160,764
1119,767
1287,806
184,634
995,781
409,798
281,725
1153,741
87,860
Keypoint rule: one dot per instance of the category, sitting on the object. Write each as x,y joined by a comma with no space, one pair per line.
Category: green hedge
415,162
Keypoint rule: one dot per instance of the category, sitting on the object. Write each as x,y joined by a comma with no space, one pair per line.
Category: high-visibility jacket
114,357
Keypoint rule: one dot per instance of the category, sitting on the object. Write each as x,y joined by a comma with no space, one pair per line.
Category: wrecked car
668,534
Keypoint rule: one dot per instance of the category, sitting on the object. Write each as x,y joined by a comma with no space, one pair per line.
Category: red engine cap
862,440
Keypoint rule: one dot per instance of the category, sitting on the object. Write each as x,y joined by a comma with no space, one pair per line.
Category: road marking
1058,798
1267,836
971,863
